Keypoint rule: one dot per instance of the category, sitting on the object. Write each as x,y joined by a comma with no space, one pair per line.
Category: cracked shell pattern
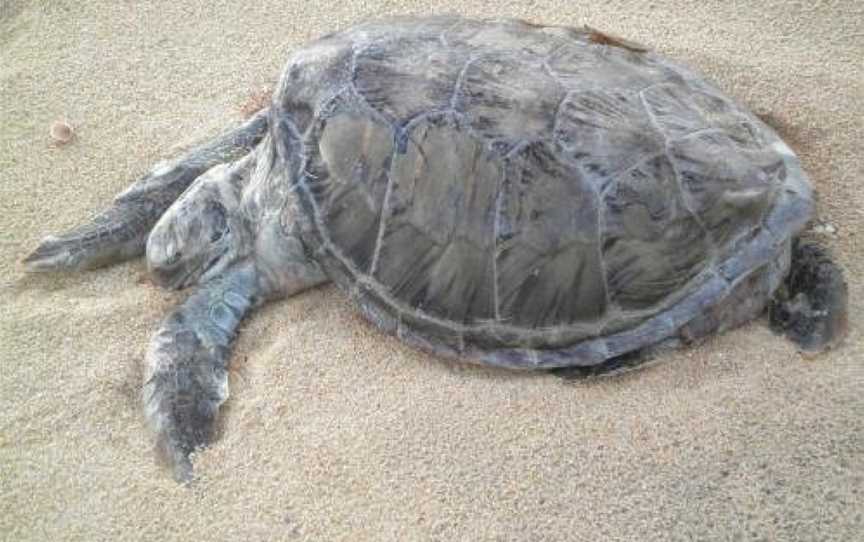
524,196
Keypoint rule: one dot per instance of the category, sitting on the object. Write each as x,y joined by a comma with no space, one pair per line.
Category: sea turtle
525,196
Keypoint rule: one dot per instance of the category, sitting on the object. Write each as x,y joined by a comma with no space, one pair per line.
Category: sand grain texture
335,432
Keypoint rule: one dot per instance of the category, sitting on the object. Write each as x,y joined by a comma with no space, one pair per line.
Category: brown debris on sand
256,101
602,38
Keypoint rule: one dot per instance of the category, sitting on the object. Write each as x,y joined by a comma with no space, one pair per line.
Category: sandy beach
334,431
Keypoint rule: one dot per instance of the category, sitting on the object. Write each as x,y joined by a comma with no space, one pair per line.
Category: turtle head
194,240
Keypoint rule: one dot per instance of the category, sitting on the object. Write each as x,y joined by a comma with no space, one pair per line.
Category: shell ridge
624,172
685,194
356,51
457,86
601,227
384,214
496,231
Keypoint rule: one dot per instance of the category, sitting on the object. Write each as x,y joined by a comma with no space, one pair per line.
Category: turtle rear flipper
120,232
811,307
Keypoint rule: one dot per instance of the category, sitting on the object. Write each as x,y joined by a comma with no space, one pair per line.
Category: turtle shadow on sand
511,194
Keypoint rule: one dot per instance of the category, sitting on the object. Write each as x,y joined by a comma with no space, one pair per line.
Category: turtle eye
217,216
217,234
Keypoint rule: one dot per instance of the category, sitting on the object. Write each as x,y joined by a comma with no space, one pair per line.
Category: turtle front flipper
811,307
186,376
120,232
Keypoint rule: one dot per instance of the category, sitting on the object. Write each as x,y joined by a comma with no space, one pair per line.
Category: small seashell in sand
61,132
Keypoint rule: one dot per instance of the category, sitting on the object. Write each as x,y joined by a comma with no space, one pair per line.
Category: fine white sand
335,432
